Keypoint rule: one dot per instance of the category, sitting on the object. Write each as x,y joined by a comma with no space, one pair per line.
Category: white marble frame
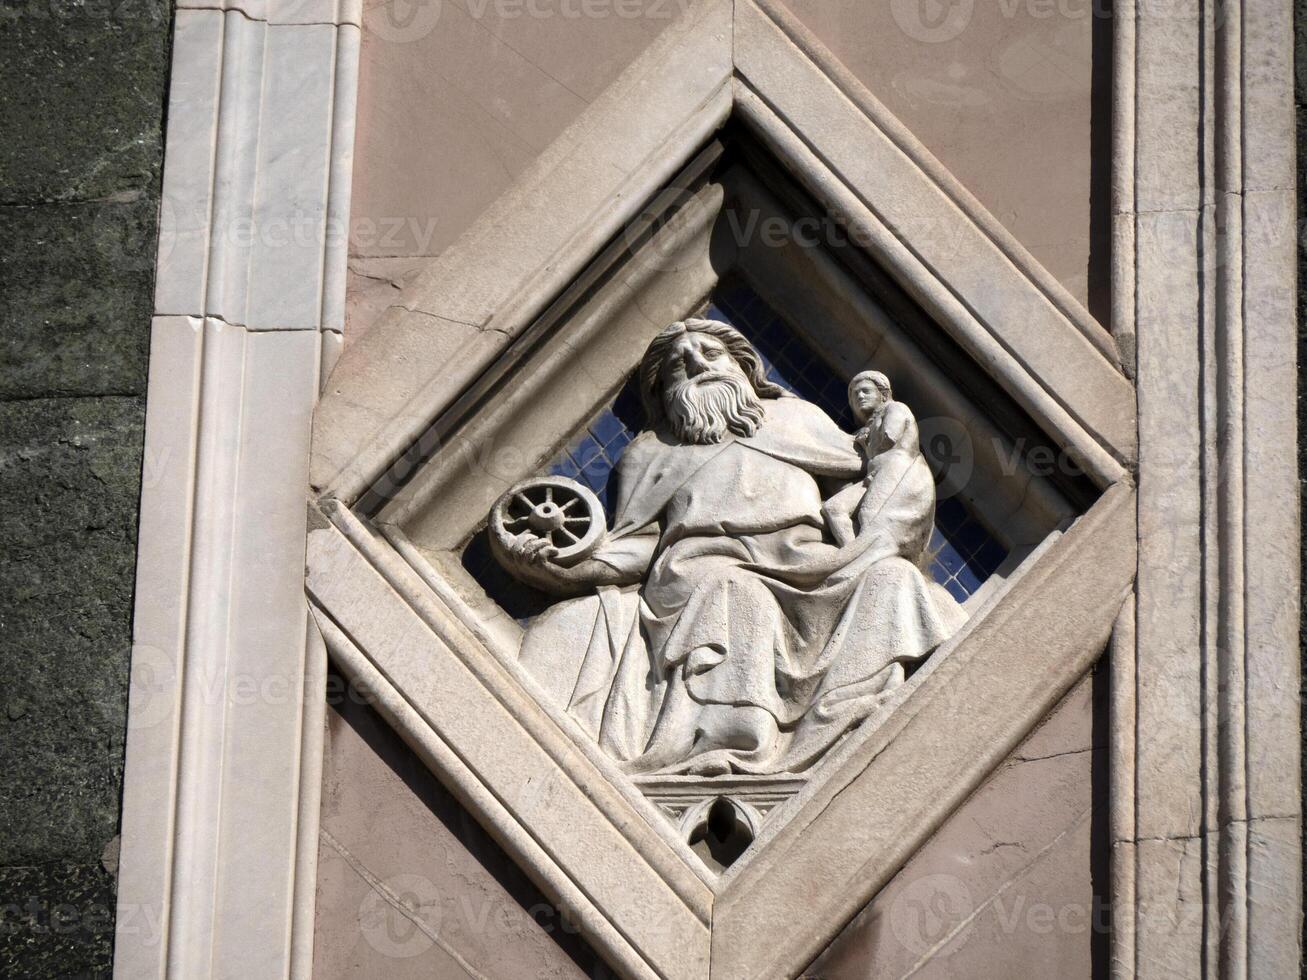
391,631
1214,786
525,413
228,674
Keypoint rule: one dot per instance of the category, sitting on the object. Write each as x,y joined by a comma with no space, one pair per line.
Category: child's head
868,392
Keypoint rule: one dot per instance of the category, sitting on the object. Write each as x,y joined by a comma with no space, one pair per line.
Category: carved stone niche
661,860
731,236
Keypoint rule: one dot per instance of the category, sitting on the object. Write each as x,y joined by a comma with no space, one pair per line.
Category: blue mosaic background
964,553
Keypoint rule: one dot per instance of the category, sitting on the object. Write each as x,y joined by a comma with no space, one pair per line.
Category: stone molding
227,700
234,244
1206,799
891,790
552,803
333,13
1013,318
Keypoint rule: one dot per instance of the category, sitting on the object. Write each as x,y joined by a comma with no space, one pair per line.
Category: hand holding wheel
547,517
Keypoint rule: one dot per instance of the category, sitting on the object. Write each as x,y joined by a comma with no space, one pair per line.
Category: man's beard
703,409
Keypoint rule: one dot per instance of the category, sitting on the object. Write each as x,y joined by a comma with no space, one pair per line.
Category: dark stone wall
82,95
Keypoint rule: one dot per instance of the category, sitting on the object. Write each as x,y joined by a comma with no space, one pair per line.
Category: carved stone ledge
689,801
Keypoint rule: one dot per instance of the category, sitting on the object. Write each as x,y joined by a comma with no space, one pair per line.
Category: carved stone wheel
565,513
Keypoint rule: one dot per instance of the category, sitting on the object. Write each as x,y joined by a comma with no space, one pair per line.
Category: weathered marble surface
216,814
452,111
1012,98
409,885
1014,883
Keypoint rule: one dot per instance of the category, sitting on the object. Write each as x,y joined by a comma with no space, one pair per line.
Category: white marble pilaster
219,810
1206,818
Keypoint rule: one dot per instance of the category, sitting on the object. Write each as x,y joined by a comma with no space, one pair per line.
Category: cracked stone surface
1015,882
409,885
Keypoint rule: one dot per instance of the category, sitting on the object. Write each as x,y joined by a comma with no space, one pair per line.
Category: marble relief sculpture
759,591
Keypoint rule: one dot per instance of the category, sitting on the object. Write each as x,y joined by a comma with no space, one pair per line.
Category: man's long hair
651,380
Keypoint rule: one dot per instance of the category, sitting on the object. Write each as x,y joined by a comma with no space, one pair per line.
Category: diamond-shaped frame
547,797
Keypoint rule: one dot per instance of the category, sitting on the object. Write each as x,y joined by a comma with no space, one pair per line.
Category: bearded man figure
703,641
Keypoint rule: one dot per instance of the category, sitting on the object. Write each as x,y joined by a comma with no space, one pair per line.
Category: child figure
898,481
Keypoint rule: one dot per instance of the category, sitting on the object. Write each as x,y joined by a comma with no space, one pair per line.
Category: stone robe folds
733,655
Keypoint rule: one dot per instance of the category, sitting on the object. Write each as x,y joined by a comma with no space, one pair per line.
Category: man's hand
530,559
530,550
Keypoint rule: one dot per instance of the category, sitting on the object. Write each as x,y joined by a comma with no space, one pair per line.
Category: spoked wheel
554,508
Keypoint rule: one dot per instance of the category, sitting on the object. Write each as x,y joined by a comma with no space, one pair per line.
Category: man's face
706,393
865,398
697,356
